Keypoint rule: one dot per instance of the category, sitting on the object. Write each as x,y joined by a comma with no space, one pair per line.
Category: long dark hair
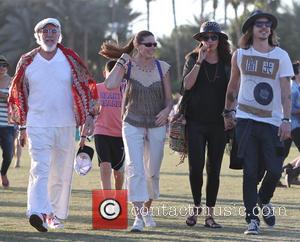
223,49
246,39
113,51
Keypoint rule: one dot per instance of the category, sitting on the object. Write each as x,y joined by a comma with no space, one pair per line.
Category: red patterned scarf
83,88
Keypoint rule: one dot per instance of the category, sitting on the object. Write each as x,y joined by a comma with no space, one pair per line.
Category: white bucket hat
83,160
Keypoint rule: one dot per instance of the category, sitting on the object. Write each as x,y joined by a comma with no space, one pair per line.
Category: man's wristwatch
22,128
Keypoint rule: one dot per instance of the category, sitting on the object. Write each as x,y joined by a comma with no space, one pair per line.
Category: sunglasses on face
260,24
3,65
149,44
213,37
48,31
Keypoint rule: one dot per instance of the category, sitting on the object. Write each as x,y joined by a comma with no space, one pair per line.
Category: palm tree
148,14
225,13
177,49
202,9
215,6
235,4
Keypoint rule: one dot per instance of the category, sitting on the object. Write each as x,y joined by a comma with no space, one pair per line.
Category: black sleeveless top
206,99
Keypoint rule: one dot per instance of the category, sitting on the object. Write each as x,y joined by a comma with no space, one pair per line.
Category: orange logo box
110,209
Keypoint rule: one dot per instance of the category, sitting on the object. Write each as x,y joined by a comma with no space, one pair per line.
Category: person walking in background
147,104
260,81
205,78
108,132
291,173
52,92
6,129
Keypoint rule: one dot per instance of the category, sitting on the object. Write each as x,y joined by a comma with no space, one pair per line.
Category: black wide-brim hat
258,14
209,27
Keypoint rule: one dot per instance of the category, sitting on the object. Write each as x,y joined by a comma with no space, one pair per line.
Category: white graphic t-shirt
260,93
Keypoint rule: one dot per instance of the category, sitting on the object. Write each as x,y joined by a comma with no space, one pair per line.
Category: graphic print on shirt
110,99
257,94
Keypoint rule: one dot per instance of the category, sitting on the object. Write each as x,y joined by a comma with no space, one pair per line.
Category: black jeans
262,145
6,143
200,137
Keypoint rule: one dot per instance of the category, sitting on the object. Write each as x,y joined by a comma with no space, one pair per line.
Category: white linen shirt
50,101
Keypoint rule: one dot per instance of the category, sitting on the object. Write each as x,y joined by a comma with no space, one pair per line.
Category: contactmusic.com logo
110,209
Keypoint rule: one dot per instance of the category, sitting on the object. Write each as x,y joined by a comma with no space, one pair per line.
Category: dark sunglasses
213,37
149,44
260,24
3,65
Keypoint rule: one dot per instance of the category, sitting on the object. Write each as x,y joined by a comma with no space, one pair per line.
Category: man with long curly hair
260,83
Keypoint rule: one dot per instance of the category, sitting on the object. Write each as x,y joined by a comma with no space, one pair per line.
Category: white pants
144,149
52,152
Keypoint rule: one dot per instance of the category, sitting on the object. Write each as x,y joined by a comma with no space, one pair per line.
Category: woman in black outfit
206,75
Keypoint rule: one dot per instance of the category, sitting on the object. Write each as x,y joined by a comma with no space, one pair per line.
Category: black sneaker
38,221
253,227
268,214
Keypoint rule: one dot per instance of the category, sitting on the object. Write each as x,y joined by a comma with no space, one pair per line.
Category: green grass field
175,194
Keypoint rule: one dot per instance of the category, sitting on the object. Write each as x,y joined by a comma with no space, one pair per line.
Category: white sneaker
149,221
54,223
253,227
138,225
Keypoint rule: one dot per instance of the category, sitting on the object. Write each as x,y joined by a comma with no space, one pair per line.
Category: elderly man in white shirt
52,92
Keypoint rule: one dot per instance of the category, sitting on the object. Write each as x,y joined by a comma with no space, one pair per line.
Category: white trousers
144,149
52,152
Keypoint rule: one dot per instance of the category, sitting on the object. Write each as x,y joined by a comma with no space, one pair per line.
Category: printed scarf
84,90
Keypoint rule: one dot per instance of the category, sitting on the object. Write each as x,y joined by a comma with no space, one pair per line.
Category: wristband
22,128
92,115
287,120
124,61
120,64
85,137
227,112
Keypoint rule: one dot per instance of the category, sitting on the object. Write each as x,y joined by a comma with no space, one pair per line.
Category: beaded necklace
215,74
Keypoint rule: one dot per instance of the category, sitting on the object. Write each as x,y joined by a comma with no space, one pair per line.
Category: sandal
192,219
211,223
5,181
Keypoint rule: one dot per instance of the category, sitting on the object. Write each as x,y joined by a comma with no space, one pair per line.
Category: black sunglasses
149,44
260,24
3,65
213,37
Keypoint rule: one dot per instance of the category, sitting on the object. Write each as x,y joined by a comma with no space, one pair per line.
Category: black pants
200,137
6,143
262,145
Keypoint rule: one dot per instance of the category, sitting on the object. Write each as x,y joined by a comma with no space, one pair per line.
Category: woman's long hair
113,51
246,39
223,49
